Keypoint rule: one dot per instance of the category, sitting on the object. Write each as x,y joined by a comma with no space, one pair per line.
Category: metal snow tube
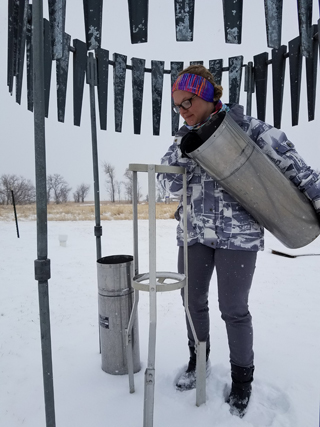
115,304
248,175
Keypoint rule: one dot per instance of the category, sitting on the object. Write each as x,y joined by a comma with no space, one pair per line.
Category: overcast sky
69,148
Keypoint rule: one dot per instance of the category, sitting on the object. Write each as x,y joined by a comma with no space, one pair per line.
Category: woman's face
199,110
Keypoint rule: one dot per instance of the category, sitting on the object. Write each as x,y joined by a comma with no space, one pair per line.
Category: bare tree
128,185
109,170
58,187
23,190
81,193
118,189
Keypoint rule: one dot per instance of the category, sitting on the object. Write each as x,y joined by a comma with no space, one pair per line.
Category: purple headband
195,84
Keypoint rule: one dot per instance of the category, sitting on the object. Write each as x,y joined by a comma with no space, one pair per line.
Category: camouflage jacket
214,217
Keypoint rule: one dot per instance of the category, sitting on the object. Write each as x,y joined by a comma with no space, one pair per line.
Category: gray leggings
234,273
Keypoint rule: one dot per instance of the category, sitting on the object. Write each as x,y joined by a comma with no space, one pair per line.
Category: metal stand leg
129,342
200,346
201,373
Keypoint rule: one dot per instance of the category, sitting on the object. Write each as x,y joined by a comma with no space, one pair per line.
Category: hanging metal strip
137,91
305,20
93,22
11,44
57,18
278,76
22,29
273,13
261,80
15,20
47,63
295,62
232,14
215,68
184,16
311,72
157,68
62,67
29,48
119,79
235,74
176,67
138,17
79,71
102,57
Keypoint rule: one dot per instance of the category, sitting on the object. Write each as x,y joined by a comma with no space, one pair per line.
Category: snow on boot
187,380
240,390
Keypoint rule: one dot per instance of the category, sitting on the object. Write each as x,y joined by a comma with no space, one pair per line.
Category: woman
222,235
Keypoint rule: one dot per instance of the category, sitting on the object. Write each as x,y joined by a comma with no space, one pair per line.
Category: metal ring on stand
179,281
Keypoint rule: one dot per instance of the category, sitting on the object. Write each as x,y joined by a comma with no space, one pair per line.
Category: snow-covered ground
285,300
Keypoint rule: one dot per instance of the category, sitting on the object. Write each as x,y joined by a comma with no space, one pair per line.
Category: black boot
187,380
240,390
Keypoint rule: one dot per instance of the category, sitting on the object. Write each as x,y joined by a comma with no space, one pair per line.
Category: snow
284,303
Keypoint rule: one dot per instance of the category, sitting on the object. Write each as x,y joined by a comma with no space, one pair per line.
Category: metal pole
42,264
150,371
250,88
15,213
92,81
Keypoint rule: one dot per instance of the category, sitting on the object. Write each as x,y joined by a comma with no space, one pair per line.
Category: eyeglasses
186,104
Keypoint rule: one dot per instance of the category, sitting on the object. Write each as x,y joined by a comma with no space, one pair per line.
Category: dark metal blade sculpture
157,69
21,44
235,74
29,60
137,91
79,71
13,26
102,57
57,18
93,22
215,68
305,20
138,17
119,79
47,63
62,68
10,52
311,71
273,13
278,75
184,12
176,67
232,13
319,31
261,80
249,86
295,62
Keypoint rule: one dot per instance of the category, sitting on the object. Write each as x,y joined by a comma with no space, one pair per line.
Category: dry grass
85,211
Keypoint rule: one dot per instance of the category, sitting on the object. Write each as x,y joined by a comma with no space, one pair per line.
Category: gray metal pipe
42,264
247,174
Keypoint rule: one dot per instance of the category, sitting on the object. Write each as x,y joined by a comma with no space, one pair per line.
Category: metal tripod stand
154,282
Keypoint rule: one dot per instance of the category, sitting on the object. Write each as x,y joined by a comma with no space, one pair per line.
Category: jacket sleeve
275,144
171,182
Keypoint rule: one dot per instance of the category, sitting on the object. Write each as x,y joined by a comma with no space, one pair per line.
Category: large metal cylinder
115,304
247,174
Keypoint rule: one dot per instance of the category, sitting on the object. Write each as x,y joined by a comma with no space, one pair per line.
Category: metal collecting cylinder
115,274
227,153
